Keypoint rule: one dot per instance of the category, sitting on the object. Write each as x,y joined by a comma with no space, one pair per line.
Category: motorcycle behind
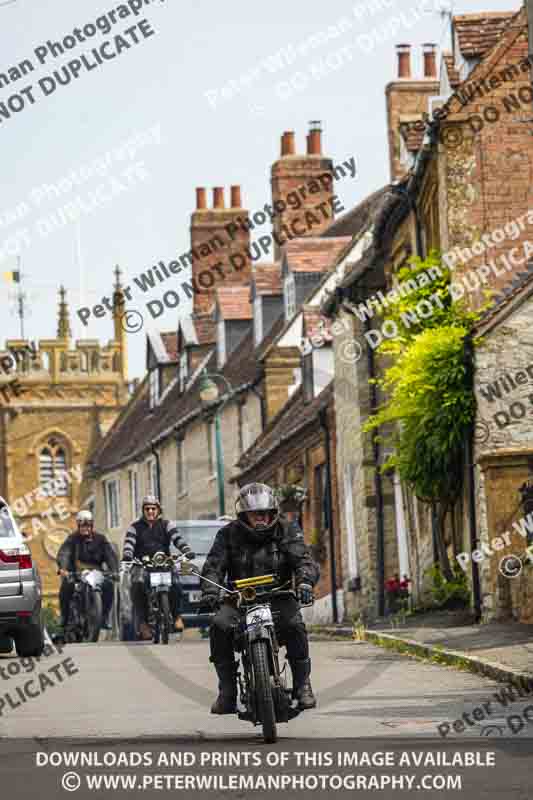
86,608
157,576
263,693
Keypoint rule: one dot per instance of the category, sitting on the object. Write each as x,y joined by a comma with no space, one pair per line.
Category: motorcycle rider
147,536
258,542
85,549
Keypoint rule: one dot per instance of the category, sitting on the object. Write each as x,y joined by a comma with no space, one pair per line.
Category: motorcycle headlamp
159,559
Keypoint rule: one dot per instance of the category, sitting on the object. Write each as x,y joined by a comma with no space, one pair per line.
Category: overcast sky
169,88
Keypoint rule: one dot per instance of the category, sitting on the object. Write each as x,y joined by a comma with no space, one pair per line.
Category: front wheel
94,615
164,617
263,691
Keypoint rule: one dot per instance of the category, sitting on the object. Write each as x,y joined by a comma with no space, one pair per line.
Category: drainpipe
329,516
158,470
472,523
378,484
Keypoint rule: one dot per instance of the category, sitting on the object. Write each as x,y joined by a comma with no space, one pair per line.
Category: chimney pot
314,139
218,197
201,199
404,60
287,144
430,60
236,197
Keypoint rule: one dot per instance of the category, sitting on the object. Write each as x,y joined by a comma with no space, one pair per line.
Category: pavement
502,651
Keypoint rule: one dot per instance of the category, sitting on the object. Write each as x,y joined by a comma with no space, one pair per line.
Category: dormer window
183,370
290,296
258,320
155,386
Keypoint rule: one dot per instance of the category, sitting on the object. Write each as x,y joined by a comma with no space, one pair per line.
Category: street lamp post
212,406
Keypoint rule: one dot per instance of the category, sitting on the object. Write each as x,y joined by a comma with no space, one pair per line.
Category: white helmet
151,500
84,517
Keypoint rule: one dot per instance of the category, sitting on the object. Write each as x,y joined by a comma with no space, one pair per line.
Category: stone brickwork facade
504,449
485,158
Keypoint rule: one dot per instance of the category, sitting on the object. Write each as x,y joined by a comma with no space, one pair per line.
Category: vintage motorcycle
158,573
263,693
85,617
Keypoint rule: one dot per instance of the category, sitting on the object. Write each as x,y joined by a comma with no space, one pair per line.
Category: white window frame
353,562
221,344
289,296
155,386
112,513
151,468
211,448
258,320
134,492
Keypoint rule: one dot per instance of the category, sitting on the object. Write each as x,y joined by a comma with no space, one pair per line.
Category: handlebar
148,561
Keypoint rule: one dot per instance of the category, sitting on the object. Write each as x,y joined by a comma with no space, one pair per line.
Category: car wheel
6,645
29,642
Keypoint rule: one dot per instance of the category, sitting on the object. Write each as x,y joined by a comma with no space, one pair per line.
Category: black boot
302,690
226,702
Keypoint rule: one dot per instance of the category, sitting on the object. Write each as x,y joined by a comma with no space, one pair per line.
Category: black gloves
305,594
127,558
210,601
189,555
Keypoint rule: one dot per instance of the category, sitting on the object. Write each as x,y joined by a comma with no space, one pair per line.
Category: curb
451,658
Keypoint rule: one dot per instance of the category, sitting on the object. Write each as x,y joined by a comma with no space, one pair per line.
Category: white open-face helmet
257,497
151,500
84,518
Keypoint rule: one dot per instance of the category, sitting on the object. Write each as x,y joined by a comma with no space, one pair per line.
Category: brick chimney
407,99
293,172
219,244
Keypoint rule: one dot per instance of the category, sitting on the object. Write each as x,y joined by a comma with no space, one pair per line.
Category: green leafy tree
429,391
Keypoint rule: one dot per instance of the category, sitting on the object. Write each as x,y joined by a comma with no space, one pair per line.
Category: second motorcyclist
148,535
86,549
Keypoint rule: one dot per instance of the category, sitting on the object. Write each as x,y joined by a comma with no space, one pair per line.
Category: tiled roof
137,426
170,342
477,33
234,302
267,278
354,221
453,72
288,422
314,254
513,294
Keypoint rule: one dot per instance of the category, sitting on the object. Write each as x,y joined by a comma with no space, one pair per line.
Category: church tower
57,400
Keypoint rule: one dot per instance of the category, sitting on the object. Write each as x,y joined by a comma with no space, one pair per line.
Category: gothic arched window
53,478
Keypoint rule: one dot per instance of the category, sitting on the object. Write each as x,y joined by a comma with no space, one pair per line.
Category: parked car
199,534
20,591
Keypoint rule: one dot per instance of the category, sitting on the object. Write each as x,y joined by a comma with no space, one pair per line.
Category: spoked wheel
94,615
263,691
73,632
164,617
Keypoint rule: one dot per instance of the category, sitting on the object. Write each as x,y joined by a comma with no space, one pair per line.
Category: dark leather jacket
236,553
92,551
